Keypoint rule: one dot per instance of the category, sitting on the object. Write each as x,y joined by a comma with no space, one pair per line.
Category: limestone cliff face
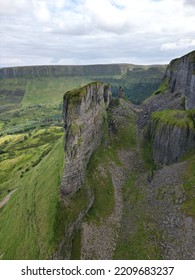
84,113
170,141
180,75
64,70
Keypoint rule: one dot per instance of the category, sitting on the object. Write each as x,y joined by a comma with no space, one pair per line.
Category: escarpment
84,113
168,116
61,70
172,134
180,76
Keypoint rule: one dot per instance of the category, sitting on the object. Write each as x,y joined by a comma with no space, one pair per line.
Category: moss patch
163,87
179,118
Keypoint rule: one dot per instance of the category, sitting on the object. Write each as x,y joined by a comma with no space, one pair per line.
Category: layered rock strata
180,75
84,115
172,136
170,142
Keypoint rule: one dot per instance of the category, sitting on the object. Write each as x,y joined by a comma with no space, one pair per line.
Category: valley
87,174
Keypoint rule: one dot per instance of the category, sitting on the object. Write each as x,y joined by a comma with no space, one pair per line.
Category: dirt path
99,241
6,198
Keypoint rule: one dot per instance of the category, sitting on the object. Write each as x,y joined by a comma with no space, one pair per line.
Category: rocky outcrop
172,133
170,142
180,75
84,115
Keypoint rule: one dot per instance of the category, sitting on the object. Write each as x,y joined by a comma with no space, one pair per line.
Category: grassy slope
27,220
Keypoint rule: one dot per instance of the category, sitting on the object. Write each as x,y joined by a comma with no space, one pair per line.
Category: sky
69,32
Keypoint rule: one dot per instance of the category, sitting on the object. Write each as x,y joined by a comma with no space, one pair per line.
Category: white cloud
181,44
190,2
41,10
10,7
91,31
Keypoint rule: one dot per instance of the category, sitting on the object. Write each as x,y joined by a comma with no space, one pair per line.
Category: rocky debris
166,196
159,211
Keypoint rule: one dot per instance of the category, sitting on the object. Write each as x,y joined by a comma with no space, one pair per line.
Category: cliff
84,113
180,77
172,133
64,70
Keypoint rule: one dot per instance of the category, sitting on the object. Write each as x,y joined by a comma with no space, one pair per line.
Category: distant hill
47,84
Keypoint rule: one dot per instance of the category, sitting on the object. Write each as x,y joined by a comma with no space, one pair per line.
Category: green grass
76,95
76,247
137,243
189,187
44,90
147,152
138,84
162,88
179,118
20,152
28,219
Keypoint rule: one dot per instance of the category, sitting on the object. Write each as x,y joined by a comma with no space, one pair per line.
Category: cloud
190,2
181,44
10,7
90,31
41,10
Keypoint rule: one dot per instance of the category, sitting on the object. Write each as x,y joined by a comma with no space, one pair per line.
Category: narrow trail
99,241
6,198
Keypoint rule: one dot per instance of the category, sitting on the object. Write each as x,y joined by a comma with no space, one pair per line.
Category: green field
32,166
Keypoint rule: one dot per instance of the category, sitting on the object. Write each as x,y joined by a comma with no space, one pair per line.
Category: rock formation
172,134
84,113
171,141
180,75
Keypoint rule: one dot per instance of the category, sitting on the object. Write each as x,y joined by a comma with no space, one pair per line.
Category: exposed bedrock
180,75
170,142
84,115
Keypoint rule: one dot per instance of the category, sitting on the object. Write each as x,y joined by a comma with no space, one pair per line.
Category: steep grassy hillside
31,164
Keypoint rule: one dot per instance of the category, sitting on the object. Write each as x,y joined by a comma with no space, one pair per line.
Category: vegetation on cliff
180,118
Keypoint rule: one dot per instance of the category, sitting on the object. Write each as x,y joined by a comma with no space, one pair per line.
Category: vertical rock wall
84,114
181,76
170,142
